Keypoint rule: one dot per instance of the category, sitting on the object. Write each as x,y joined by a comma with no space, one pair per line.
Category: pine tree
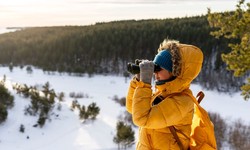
83,114
46,89
124,136
3,113
61,97
5,97
93,111
235,26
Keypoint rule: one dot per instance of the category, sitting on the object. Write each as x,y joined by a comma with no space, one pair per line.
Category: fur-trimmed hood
172,46
187,62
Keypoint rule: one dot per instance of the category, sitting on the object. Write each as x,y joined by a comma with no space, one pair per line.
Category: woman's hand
146,71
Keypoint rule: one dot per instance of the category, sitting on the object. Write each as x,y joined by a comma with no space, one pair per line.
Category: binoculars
135,69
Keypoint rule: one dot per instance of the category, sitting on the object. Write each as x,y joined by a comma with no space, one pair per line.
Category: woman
171,103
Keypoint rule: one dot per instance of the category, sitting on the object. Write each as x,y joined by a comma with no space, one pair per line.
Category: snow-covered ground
67,132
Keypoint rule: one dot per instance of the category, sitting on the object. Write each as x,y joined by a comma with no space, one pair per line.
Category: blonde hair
173,47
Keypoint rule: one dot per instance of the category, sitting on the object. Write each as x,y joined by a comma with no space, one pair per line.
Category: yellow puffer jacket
175,109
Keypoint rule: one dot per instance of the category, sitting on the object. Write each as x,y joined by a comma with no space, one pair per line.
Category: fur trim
172,46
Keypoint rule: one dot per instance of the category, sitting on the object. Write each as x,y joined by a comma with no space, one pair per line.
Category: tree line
106,48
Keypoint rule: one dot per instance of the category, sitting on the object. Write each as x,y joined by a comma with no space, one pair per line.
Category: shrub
22,129
29,69
239,136
76,95
75,104
121,101
220,128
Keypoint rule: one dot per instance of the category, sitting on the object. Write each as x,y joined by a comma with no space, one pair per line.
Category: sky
24,13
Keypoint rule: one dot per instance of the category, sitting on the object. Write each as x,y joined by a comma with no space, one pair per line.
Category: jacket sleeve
130,94
169,112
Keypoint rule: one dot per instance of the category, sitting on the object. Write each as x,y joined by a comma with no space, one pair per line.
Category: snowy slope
66,131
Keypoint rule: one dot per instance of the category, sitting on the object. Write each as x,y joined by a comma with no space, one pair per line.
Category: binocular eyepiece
135,69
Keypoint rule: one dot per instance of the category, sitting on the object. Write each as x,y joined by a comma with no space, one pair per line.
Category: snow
66,131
